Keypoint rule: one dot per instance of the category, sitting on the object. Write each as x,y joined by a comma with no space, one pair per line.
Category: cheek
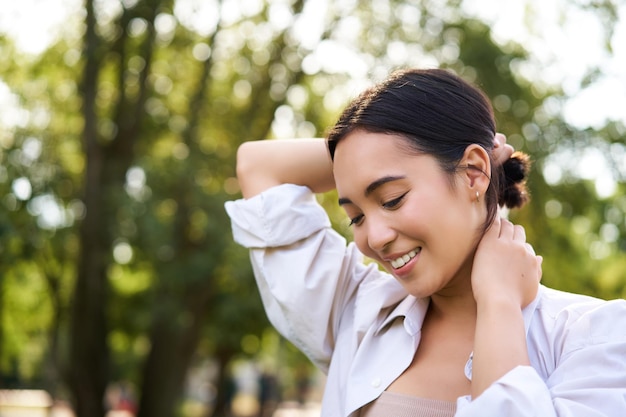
360,239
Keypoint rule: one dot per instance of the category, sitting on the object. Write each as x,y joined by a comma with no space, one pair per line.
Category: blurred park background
121,291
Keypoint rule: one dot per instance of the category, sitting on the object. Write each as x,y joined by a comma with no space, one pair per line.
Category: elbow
249,169
244,167
244,162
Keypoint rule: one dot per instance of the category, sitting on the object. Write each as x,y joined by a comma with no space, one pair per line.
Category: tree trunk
88,354
225,388
174,339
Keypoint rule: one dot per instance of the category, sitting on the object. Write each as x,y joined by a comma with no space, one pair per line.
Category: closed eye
355,221
394,203
389,205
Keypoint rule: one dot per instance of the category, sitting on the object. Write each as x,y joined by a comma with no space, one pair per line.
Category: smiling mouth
401,261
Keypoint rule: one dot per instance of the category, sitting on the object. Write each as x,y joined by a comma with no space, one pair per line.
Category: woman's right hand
266,163
502,151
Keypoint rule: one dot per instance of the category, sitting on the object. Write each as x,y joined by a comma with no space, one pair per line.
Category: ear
477,174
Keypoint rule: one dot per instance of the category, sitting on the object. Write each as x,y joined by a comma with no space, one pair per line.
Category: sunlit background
569,49
564,41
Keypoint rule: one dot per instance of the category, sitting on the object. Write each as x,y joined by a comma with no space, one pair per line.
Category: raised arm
267,163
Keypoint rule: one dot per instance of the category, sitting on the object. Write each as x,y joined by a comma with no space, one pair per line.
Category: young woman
458,325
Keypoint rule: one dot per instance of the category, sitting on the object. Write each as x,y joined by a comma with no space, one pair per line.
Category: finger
501,150
519,233
503,154
508,150
507,229
499,139
530,248
494,229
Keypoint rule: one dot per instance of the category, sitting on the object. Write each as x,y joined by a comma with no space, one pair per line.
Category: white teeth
401,261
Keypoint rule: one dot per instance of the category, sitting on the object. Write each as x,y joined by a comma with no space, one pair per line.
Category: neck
455,302
460,307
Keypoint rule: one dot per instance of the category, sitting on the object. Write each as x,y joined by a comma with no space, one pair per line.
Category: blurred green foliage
121,150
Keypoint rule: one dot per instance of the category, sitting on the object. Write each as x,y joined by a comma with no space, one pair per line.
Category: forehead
361,145
364,157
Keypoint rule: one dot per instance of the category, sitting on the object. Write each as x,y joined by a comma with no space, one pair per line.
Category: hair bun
513,191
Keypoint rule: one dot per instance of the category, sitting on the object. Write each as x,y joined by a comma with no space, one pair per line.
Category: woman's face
407,213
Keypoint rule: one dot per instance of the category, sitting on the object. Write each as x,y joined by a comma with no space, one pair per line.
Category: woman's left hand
506,267
505,279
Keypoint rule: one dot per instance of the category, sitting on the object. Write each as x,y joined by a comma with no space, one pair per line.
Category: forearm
267,163
499,344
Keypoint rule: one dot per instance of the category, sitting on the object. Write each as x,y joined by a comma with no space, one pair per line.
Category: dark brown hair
439,114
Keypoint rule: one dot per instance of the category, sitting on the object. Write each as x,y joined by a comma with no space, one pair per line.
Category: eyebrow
373,186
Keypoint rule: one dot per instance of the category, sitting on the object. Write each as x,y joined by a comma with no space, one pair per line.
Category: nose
379,234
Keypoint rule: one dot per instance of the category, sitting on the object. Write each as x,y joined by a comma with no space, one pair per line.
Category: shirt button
375,382
468,367
409,326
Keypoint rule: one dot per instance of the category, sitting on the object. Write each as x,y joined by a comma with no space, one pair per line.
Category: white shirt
360,327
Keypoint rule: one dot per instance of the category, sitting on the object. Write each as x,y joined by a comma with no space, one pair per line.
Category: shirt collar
413,310
529,311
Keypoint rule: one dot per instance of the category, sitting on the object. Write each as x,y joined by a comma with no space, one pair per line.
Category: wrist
499,342
499,305
502,296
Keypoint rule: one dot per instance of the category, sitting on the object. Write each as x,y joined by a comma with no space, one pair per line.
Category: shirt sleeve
306,273
589,378
277,217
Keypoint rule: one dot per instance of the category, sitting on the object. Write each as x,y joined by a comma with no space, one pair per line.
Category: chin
419,292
